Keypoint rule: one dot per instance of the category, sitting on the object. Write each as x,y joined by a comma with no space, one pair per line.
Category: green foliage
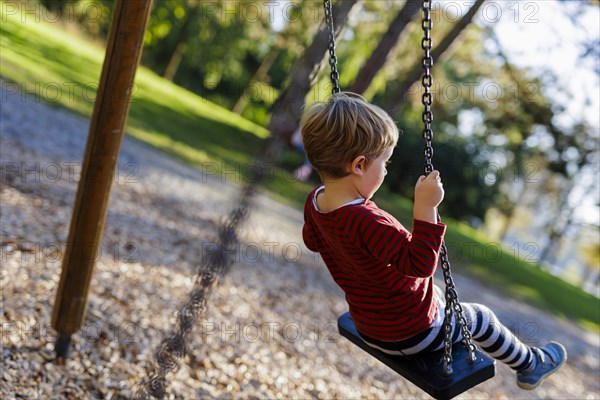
508,105
468,189
56,6
64,70
362,36
222,43
462,159
301,23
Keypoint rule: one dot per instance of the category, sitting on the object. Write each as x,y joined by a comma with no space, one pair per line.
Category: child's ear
358,166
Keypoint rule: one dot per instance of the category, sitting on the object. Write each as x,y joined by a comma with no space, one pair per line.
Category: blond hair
335,132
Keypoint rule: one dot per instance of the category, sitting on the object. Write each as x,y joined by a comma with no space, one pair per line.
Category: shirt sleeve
307,229
412,254
307,236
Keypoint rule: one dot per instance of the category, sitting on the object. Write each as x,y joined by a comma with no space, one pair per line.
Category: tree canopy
492,118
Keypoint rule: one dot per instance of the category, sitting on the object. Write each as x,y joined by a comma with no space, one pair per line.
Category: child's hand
429,191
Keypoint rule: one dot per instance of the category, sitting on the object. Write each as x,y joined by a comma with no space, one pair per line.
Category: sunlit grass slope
45,62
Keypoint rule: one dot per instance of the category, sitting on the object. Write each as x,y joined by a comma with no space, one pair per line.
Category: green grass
42,60
519,276
46,62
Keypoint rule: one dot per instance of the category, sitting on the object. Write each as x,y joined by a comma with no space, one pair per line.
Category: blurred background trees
511,164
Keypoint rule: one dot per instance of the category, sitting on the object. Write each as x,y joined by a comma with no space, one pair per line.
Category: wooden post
123,52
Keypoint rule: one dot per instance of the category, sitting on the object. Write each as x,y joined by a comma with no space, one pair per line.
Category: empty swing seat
425,370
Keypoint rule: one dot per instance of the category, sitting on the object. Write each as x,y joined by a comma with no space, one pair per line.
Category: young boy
385,271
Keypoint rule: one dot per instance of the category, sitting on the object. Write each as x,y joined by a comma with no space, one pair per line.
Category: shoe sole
527,386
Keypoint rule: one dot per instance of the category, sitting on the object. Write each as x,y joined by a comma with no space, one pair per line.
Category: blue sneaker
549,359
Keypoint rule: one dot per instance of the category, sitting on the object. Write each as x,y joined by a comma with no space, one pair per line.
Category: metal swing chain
427,81
452,303
216,265
331,47
218,262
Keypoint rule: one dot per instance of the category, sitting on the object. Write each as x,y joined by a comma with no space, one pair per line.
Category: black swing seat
425,370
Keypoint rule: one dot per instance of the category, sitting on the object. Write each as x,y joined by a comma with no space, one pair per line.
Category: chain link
217,264
427,81
335,76
453,306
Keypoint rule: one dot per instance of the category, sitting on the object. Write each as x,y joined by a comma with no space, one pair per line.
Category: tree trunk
396,101
565,219
180,46
288,106
387,43
511,213
262,72
55,6
175,61
259,76
590,277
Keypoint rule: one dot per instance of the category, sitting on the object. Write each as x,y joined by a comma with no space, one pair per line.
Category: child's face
374,174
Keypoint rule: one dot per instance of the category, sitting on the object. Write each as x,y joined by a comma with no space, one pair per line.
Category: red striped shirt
385,271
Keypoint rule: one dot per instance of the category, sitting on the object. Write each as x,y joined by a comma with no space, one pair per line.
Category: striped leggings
487,331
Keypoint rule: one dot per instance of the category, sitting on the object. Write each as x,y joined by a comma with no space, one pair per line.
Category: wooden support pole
123,52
